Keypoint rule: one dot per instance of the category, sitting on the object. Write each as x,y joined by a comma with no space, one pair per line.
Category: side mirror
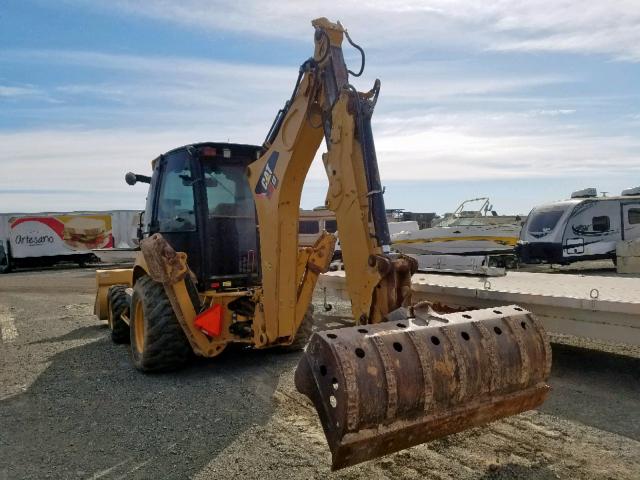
133,178
130,178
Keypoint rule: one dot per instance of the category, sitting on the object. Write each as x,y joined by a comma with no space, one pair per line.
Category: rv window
601,224
308,227
542,222
330,226
633,216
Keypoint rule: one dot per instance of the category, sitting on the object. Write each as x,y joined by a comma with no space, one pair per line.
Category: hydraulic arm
325,106
404,375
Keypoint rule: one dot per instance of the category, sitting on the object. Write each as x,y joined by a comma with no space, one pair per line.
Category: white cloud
486,145
6,91
145,66
171,83
554,112
443,82
435,120
79,169
162,91
442,146
19,92
574,26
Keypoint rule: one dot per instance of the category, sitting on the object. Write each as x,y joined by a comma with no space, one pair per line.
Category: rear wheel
118,304
303,334
157,340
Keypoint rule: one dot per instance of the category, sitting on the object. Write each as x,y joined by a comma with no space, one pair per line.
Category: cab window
231,222
176,211
228,192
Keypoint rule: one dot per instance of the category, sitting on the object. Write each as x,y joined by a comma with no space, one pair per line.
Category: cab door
631,220
231,255
175,215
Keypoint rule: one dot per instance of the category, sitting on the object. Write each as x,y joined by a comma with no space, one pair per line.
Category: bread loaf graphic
85,233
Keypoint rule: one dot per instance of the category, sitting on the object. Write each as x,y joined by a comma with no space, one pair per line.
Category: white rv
585,227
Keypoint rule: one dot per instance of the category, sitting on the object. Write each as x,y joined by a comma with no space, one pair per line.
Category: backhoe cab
199,199
220,264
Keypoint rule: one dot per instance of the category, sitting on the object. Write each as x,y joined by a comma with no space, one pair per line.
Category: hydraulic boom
403,375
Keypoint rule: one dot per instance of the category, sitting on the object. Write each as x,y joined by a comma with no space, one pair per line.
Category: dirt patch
583,432
532,445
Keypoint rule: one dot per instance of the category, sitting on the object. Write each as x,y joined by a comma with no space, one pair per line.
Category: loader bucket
385,387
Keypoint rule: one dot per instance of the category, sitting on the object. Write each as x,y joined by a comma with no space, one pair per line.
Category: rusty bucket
385,387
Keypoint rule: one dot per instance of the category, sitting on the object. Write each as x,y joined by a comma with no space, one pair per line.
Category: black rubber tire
5,262
303,334
118,304
165,345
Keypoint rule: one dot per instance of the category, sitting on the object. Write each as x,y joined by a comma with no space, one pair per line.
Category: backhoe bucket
385,387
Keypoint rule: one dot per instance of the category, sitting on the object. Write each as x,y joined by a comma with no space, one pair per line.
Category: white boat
479,231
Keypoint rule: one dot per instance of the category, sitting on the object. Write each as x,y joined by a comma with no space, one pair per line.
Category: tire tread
166,346
118,304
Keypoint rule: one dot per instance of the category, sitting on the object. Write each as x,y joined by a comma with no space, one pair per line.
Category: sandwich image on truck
82,233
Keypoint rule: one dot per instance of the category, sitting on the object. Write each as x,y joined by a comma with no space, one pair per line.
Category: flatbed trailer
605,308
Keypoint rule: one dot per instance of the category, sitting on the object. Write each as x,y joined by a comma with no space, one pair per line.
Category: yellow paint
296,145
105,279
347,197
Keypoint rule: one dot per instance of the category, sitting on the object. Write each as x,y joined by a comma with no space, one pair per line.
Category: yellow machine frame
287,286
404,375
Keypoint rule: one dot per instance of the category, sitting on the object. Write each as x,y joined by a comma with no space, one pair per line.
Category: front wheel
157,340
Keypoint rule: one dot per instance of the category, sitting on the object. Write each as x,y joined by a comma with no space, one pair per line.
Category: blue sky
520,101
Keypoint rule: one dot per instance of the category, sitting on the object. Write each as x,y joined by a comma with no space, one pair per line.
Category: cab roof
236,148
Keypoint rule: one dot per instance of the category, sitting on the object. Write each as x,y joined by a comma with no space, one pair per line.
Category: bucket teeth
385,387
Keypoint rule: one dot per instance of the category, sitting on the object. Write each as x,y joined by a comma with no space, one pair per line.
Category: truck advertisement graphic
40,236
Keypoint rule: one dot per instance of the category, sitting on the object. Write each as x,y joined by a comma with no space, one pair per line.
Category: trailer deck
601,307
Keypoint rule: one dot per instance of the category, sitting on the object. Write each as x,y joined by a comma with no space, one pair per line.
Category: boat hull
458,241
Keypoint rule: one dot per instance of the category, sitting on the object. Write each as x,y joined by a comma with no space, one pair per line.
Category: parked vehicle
585,227
43,239
479,231
312,223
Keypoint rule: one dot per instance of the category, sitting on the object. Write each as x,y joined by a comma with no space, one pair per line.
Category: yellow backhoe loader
220,264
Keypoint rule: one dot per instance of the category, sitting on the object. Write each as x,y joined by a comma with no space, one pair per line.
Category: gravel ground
71,406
